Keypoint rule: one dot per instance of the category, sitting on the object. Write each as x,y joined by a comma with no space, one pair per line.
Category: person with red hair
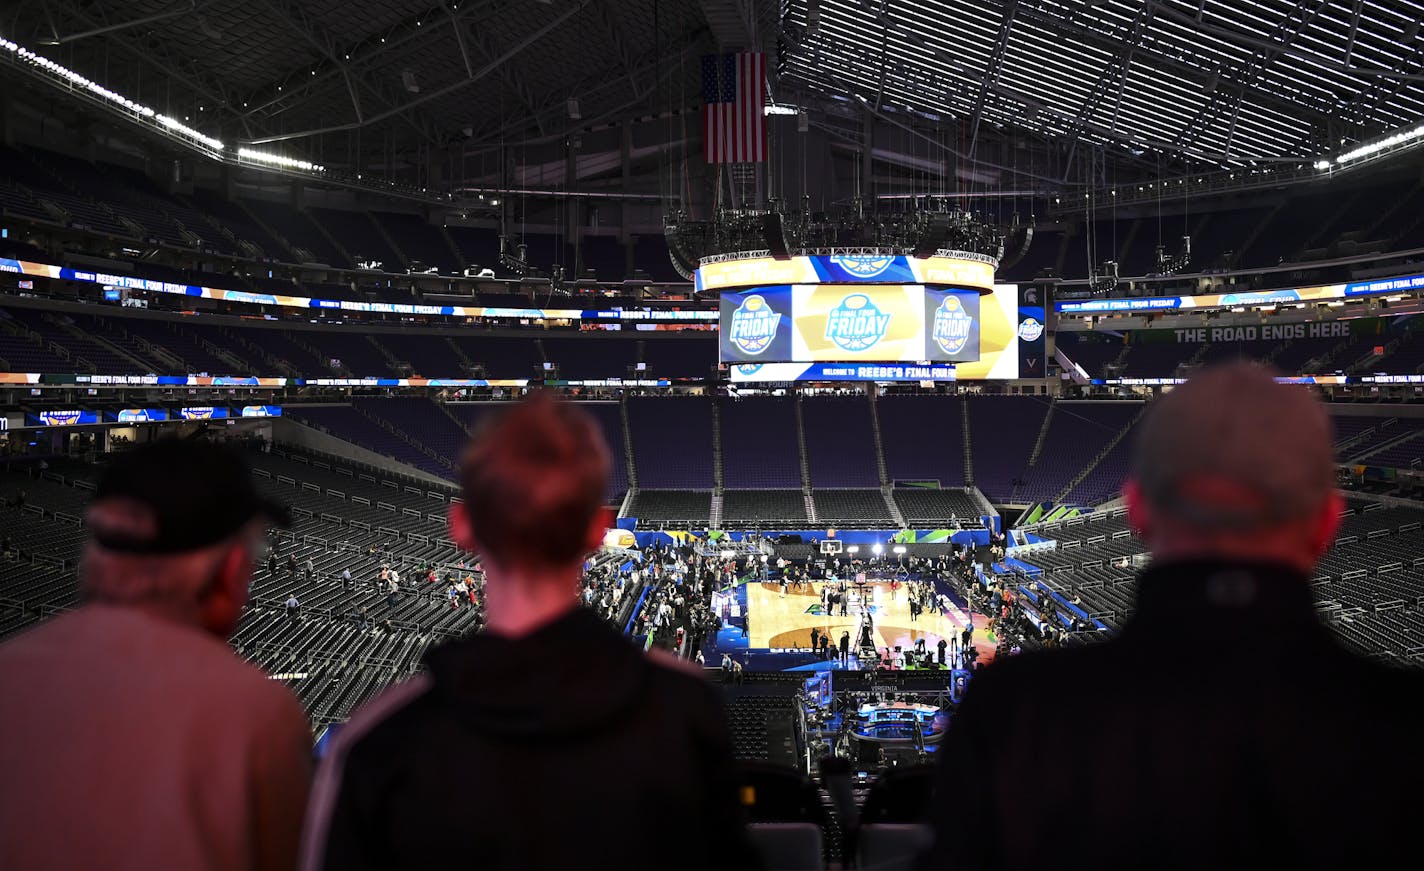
566,730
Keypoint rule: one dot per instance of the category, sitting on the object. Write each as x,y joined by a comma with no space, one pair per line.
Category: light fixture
278,160
119,100
899,548
1403,137
877,550
855,548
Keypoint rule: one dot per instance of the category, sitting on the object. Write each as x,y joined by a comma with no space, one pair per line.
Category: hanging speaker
935,235
1016,246
775,236
682,259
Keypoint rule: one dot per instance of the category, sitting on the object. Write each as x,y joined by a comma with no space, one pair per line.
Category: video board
820,323
1010,335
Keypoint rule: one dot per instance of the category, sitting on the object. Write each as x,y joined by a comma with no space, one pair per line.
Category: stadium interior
342,241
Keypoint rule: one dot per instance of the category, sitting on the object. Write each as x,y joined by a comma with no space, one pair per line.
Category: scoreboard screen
822,323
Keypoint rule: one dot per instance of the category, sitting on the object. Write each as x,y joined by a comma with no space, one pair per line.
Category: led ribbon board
1318,293
64,273
845,269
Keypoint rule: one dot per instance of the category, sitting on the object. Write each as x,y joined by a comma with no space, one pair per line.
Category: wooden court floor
777,622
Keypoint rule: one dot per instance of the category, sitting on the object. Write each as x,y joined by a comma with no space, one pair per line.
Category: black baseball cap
174,496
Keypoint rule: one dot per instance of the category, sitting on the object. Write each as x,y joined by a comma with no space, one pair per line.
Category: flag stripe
734,104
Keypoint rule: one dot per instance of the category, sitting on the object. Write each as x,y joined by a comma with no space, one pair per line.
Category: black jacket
1225,727
568,748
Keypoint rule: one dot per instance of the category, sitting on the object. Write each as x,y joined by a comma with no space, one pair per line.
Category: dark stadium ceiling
291,70
1170,82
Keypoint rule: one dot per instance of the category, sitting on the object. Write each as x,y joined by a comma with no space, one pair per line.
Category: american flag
734,100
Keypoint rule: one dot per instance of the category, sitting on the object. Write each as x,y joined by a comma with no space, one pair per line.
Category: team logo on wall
862,266
754,325
1030,329
199,413
856,324
749,369
951,325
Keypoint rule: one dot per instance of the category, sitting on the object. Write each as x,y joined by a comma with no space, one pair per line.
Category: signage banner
136,415
132,282
845,269
751,373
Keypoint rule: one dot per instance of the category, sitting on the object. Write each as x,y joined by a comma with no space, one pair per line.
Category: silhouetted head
1234,465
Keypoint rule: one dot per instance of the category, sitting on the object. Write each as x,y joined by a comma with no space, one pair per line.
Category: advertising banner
63,418
203,412
845,269
136,415
262,411
787,372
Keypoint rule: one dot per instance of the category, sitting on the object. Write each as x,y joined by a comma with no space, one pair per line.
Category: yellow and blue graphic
787,372
203,412
954,326
752,272
756,325
262,411
863,267
136,415
64,418
856,325
753,325
871,322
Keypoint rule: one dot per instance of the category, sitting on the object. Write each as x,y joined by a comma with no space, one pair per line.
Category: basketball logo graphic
60,418
862,266
199,413
1030,329
754,325
749,369
951,325
856,324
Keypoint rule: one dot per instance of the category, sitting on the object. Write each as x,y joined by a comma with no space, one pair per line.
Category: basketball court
778,623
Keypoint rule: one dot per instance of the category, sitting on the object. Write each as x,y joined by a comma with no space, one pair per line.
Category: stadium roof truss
295,71
1225,82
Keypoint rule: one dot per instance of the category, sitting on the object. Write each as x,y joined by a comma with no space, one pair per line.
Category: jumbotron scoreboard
870,317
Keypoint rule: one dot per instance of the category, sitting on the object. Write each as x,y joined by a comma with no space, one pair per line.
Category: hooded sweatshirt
566,748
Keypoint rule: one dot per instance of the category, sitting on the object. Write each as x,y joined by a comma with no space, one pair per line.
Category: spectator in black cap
132,736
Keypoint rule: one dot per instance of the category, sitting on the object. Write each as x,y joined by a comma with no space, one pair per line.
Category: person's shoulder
1008,674
1396,690
385,718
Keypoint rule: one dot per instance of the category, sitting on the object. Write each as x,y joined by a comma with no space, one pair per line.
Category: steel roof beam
399,36
153,53
185,9
322,40
1287,30
1113,76
436,94
1240,38
521,89
1179,69
596,82
991,73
